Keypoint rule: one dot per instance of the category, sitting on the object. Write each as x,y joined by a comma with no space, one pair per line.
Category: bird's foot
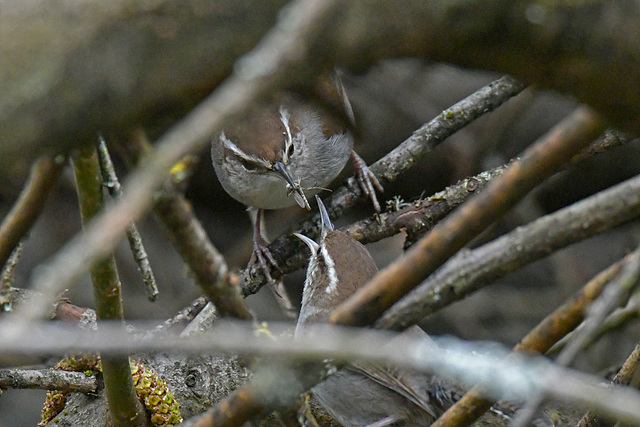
367,180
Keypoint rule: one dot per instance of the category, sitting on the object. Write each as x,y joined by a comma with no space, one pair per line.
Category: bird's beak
313,246
324,215
293,188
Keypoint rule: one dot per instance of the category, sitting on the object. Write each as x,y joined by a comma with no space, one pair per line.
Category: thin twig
110,180
538,162
628,374
47,379
124,407
616,320
6,277
43,177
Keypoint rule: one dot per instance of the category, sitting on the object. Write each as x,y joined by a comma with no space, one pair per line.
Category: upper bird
284,150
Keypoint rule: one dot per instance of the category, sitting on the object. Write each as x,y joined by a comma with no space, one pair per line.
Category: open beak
324,216
293,188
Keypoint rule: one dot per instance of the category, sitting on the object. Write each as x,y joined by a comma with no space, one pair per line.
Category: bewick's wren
360,394
281,152
369,394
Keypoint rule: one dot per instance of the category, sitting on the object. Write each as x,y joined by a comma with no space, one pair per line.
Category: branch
43,177
124,407
541,160
517,377
110,180
626,375
47,379
551,329
191,241
471,270
616,293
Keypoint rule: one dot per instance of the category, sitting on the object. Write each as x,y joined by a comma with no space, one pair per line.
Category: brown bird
283,151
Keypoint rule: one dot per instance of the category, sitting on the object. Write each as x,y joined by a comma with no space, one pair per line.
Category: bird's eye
248,165
290,151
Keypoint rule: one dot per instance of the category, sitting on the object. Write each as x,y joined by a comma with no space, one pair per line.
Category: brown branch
538,162
47,379
553,327
398,161
235,410
626,375
614,321
124,407
420,216
43,177
615,294
471,270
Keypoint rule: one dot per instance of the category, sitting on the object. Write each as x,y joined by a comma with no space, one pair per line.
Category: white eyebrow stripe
284,118
229,144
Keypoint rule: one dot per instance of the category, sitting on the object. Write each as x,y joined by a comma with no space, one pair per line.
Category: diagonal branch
551,329
471,270
540,161
44,175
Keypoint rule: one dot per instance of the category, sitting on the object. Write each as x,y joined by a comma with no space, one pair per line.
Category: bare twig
124,407
538,162
628,374
6,277
184,316
110,180
44,175
615,320
517,377
48,379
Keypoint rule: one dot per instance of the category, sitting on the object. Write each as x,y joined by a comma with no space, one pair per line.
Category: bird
283,150
370,394
360,394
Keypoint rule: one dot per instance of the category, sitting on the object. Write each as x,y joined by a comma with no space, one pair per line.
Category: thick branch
75,70
47,379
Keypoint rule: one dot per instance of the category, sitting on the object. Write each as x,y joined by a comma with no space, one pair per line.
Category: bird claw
367,180
261,256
